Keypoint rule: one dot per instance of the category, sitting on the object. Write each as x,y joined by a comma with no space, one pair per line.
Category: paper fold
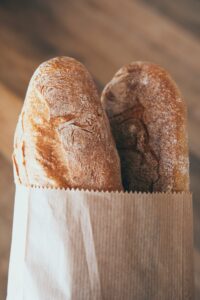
70,244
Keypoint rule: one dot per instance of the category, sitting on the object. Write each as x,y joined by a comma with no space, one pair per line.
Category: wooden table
104,35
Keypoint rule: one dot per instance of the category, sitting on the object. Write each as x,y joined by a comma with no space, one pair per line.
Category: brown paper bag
70,244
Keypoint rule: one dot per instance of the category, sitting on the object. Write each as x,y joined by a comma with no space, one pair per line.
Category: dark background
104,35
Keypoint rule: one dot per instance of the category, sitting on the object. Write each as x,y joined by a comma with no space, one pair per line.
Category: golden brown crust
63,137
148,119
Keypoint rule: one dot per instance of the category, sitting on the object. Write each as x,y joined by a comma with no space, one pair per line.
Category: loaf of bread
148,120
63,137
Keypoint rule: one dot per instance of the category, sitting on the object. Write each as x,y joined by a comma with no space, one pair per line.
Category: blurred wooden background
104,35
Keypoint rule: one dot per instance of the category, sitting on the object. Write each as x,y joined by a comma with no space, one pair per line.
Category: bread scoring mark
67,134
22,120
109,95
24,161
48,156
152,128
23,154
140,138
16,168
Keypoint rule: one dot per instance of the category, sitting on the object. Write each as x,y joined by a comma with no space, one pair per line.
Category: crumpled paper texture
71,244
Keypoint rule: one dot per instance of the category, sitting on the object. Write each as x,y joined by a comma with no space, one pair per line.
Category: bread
63,136
148,120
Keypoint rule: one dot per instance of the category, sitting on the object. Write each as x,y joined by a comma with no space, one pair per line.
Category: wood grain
6,215
9,111
183,12
104,35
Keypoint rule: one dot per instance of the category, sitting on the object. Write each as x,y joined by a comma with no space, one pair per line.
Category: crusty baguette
63,136
148,119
